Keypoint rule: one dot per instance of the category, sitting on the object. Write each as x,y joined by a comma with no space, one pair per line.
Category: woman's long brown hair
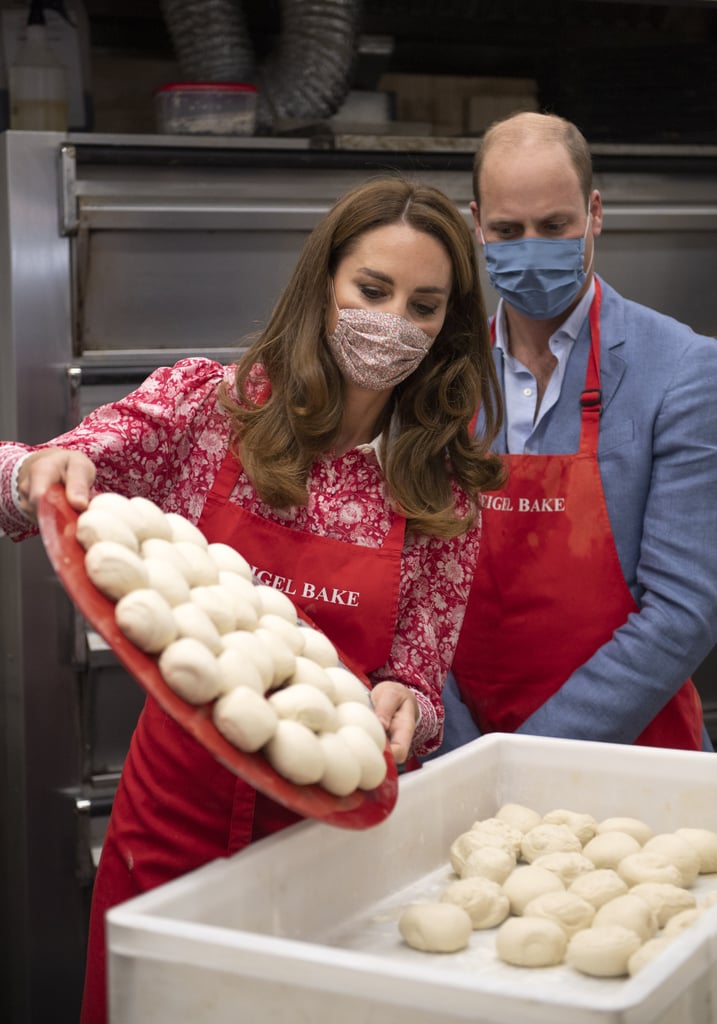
280,439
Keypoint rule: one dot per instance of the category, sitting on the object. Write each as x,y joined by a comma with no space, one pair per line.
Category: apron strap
591,396
226,479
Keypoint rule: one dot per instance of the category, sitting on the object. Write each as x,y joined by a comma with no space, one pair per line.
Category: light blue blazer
658,462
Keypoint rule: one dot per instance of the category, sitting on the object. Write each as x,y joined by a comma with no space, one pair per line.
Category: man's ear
596,212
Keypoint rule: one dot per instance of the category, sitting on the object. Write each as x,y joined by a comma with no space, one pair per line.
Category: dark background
624,72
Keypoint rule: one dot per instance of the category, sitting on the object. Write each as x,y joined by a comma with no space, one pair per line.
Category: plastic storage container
206,108
301,928
37,80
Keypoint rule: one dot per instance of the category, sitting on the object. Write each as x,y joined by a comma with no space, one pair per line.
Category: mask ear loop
585,238
333,296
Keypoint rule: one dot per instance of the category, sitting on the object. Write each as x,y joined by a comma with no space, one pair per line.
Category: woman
336,456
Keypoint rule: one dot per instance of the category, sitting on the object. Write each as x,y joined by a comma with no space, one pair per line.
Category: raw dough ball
275,602
435,927
565,908
146,619
484,901
151,520
527,882
347,686
252,649
305,704
685,919
227,559
370,758
342,773
467,842
114,569
237,670
607,849
119,507
291,633
583,825
665,900
709,900
704,840
167,580
242,587
630,912
295,752
520,817
97,524
549,839
646,953
160,547
599,886
182,530
648,866
567,866
531,942
353,713
244,612
202,570
639,830
307,671
679,852
193,621
497,827
283,658
213,600
319,648
190,669
244,718
603,951
491,862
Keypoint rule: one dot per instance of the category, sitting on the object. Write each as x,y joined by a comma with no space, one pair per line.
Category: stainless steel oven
122,253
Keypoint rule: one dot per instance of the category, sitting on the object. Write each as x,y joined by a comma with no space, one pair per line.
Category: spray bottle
36,80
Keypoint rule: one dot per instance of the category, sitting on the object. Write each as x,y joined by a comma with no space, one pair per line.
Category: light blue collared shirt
519,385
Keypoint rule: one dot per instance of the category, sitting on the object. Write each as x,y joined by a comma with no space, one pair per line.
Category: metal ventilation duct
306,77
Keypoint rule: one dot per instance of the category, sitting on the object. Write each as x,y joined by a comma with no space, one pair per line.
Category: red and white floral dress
177,807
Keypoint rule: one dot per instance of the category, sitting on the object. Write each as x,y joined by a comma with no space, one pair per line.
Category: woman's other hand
397,710
51,466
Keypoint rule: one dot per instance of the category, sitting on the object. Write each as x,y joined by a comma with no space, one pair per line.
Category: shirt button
527,392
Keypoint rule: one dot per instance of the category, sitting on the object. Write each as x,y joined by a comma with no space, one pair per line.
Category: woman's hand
397,710
55,466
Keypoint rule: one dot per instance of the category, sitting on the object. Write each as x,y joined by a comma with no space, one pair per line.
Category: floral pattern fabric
166,441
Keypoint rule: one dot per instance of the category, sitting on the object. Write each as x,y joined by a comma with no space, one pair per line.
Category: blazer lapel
612,343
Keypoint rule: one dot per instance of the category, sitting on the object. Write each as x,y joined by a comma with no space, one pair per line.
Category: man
595,596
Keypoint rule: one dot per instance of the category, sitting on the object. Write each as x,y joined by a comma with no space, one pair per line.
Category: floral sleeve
141,443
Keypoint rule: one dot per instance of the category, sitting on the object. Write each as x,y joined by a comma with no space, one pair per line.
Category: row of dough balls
276,684
604,897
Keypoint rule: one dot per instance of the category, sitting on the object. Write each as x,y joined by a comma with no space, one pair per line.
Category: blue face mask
539,277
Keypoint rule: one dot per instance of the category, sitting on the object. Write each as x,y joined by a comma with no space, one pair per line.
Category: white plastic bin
302,927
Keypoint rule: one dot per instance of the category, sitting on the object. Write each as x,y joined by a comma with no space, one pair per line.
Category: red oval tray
360,810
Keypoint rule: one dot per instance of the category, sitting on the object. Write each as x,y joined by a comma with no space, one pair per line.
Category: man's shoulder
631,321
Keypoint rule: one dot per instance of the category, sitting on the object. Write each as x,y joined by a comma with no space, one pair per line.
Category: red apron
530,622
176,807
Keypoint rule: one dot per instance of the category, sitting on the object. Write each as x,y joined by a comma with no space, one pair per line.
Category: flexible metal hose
305,78
210,40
